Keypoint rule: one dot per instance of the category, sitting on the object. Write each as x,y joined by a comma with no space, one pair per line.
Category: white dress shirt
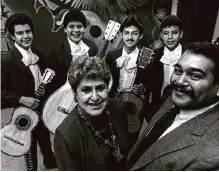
78,49
30,59
128,69
186,115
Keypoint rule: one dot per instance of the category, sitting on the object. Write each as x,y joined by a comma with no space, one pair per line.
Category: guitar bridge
13,140
63,110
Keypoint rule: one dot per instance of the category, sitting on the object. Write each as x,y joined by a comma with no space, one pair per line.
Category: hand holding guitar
138,89
29,102
16,135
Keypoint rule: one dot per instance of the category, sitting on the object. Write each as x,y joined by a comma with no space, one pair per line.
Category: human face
131,37
23,35
193,82
171,37
92,96
75,31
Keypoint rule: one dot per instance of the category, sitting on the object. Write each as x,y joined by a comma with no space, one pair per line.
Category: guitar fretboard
102,49
38,92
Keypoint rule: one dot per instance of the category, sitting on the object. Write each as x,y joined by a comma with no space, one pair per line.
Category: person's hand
29,102
138,89
42,91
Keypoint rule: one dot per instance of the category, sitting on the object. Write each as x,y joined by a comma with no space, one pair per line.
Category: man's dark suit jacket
60,60
16,78
194,145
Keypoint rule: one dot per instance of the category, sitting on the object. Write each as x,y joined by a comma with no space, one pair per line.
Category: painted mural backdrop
47,18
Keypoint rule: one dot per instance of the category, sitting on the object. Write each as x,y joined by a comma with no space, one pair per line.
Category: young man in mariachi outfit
72,47
166,57
22,67
123,63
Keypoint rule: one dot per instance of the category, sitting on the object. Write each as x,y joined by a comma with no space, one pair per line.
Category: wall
46,14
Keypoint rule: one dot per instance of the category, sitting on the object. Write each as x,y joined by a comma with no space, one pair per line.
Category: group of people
180,86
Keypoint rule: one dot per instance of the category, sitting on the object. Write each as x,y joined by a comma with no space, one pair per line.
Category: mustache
183,89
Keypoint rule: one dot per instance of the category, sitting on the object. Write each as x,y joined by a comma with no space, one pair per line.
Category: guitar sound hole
23,122
130,108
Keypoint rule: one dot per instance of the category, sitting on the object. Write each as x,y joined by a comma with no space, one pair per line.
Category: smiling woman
95,135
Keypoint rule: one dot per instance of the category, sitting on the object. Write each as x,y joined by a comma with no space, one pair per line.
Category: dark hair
74,15
89,68
208,50
171,20
134,20
18,19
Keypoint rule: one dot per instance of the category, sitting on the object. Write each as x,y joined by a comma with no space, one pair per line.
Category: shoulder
115,52
93,47
8,58
159,51
37,52
115,106
113,55
69,122
114,103
59,47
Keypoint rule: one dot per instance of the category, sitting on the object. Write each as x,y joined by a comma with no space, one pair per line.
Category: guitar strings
17,132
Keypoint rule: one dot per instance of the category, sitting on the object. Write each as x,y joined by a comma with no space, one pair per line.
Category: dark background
198,17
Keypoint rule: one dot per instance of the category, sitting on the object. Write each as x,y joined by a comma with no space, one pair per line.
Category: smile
26,41
170,42
95,104
76,35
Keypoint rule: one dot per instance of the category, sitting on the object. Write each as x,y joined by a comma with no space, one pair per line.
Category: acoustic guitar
61,102
133,103
16,135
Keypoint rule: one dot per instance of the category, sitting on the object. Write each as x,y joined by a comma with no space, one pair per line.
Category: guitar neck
102,49
39,92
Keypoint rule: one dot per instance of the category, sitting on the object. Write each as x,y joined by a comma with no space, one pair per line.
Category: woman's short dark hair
85,67
18,19
132,20
171,20
208,50
74,15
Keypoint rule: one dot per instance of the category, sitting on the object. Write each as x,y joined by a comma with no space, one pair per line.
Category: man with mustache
123,63
166,56
22,67
183,134
72,47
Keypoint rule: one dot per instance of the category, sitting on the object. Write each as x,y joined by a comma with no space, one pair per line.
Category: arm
65,153
9,99
8,93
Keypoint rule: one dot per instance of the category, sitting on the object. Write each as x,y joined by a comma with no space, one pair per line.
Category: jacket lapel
179,138
167,105
67,57
18,56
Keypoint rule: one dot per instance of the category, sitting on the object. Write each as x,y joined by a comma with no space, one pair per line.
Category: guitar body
133,105
16,135
58,106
